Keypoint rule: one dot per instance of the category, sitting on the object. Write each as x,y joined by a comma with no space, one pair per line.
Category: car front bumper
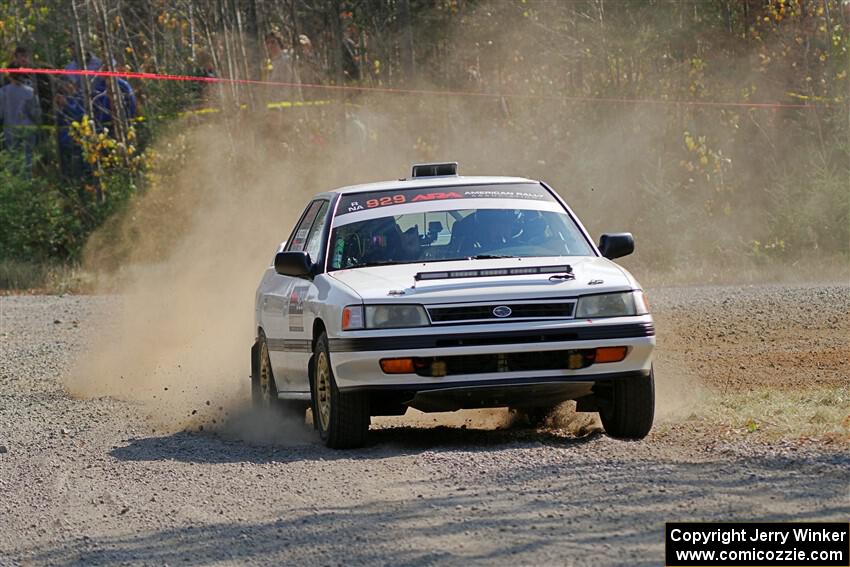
356,356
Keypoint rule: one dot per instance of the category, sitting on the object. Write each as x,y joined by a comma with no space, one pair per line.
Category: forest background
717,131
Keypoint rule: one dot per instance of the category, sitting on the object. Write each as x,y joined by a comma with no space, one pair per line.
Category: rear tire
631,408
264,388
341,417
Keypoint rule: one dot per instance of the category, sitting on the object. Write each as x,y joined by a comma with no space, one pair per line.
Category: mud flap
311,380
255,362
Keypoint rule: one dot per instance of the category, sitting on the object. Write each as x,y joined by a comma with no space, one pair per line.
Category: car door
301,310
277,299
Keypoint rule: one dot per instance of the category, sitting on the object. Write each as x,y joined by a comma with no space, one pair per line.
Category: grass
769,415
30,277
815,269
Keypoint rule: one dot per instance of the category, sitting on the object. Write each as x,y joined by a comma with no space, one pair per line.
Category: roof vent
434,169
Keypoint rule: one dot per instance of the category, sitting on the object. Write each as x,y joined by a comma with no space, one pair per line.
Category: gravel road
95,482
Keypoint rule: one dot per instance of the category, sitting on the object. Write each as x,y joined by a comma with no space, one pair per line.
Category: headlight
383,317
611,305
391,316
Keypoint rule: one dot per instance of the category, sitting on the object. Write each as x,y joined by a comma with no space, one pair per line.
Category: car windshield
459,234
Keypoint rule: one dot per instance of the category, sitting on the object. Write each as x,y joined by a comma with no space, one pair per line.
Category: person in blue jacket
69,108
104,114
20,114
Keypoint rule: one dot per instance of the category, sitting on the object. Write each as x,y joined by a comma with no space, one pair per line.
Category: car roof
431,181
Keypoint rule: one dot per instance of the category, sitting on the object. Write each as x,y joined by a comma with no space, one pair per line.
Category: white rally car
441,292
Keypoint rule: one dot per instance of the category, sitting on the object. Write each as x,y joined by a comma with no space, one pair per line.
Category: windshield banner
356,202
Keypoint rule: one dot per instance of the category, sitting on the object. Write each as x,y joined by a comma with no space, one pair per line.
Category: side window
314,240
303,229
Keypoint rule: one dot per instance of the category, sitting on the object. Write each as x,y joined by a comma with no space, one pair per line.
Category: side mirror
293,264
616,244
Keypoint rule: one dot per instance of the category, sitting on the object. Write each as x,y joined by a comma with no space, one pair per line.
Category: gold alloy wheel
265,376
323,390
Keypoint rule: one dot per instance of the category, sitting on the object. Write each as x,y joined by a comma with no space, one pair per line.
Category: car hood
397,284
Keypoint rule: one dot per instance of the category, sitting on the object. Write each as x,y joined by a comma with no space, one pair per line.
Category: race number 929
384,201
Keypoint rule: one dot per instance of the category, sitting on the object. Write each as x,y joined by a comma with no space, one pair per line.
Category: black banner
356,202
757,544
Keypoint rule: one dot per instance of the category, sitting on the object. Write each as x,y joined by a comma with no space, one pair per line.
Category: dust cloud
183,261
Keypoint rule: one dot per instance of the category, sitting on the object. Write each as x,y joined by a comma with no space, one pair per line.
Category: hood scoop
563,271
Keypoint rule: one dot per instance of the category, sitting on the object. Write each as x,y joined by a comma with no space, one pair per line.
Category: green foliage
35,223
41,221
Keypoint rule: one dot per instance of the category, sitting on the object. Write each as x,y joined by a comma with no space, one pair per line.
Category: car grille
503,362
485,313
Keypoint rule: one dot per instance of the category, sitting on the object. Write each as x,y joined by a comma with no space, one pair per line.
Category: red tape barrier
424,92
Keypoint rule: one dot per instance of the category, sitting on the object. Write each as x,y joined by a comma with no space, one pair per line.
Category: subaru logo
502,311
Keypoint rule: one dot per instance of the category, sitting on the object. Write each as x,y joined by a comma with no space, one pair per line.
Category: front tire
631,408
341,417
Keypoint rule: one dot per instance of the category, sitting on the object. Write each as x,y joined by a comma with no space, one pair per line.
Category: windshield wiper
379,263
489,257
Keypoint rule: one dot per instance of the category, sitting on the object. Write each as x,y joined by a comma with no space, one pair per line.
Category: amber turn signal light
611,354
397,365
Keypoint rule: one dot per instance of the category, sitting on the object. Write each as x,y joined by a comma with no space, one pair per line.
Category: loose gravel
95,482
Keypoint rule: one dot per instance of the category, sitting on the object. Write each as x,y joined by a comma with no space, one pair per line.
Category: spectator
19,113
281,70
204,68
21,60
351,56
309,68
41,84
104,114
93,63
69,108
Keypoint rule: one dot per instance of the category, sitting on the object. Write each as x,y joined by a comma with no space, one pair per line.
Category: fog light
575,361
397,365
439,369
611,354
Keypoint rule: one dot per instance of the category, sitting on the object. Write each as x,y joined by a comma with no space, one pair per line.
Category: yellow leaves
104,153
705,162
167,20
